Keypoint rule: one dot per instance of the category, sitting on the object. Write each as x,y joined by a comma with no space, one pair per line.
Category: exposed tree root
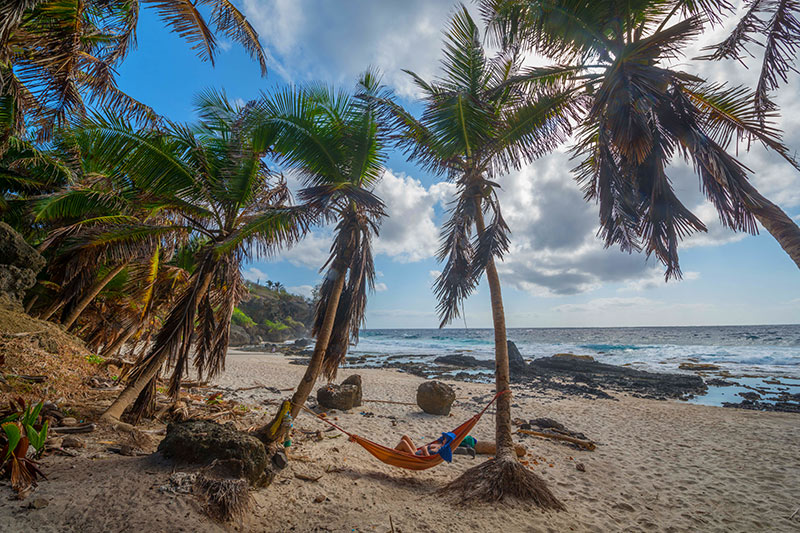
501,479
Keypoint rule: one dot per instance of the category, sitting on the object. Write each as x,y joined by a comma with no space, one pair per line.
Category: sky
557,272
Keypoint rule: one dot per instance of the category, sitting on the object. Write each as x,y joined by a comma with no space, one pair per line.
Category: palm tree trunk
50,311
90,295
777,223
323,336
149,372
503,439
121,339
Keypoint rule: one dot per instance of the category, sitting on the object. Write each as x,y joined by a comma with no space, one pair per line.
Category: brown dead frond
225,498
499,480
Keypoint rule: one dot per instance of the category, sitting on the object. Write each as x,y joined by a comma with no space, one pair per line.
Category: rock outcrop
342,397
355,380
435,397
19,265
237,454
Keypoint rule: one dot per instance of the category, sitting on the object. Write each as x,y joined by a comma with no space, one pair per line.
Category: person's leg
405,445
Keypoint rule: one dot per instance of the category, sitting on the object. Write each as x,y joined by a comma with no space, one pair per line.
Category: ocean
753,355
739,350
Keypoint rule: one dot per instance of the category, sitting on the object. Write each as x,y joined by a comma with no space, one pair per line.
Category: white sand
659,466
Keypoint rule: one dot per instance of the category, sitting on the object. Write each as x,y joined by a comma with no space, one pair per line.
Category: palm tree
337,145
642,112
775,22
224,197
53,54
482,117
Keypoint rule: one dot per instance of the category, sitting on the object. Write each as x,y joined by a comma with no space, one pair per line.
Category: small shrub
241,319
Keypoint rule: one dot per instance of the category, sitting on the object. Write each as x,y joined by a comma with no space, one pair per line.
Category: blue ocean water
740,350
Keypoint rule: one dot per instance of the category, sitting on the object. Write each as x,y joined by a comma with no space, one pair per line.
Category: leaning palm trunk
91,294
113,348
150,369
323,337
503,476
777,223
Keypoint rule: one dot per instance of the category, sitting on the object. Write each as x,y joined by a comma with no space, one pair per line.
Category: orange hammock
393,457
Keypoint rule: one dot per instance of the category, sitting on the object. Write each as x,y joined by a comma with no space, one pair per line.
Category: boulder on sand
435,397
19,264
342,397
355,379
204,441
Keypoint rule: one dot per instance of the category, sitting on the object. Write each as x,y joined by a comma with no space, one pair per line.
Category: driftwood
589,445
83,428
489,448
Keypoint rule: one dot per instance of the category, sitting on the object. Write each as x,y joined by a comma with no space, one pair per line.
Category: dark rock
204,441
72,442
547,423
39,503
19,264
617,377
279,460
463,361
719,382
238,336
435,397
342,397
302,343
15,251
750,395
779,406
515,361
355,379
698,366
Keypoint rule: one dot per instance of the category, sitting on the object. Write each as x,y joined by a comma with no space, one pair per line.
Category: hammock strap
353,436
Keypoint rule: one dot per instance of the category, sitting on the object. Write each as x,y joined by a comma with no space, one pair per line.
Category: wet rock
515,361
204,441
342,397
698,366
719,382
750,395
573,356
72,442
302,343
616,377
355,380
463,361
435,397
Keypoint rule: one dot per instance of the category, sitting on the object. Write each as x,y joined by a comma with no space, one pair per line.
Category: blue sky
557,273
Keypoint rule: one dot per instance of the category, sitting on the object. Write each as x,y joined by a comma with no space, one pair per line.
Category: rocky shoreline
570,375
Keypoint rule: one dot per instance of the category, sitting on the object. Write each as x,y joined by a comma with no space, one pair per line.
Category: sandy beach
659,466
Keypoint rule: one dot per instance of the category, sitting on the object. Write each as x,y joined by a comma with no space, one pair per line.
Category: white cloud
409,232
335,41
433,274
381,287
255,275
301,290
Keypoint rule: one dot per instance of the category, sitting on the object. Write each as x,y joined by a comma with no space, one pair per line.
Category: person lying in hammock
407,445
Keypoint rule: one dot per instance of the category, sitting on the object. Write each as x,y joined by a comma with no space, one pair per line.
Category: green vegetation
241,319
271,314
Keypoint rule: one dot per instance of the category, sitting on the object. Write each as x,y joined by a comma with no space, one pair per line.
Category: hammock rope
407,460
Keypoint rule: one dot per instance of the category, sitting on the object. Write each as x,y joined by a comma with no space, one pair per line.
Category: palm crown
641,113
482,117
